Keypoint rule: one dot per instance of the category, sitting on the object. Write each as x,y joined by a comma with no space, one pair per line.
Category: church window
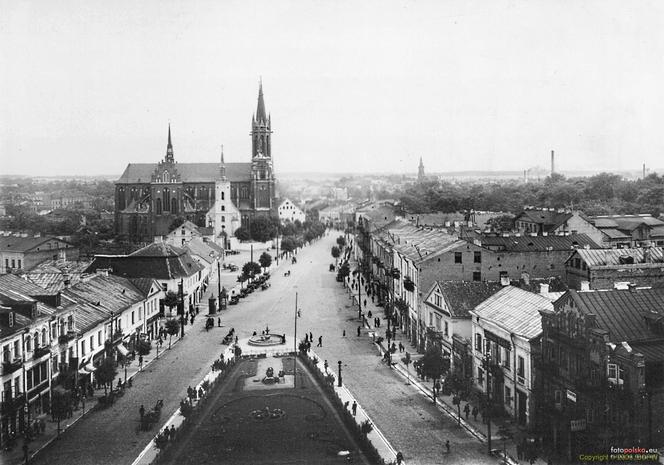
167,177
166,199
158,207
223,219
222,196
223,208
244,193
174,206
262,174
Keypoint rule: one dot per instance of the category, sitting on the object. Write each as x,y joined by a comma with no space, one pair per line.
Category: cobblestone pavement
411,423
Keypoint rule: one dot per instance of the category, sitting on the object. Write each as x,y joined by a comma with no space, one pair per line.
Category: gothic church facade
149,197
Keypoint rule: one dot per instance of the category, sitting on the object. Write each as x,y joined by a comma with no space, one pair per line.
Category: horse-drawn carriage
148,419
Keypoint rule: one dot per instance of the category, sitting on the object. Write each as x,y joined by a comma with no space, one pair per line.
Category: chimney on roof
504,281
632,287
585,285
544,288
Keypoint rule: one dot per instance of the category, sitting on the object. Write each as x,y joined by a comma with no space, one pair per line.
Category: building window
477,276
508,395
92,343
13,263
28,343
457,257
478,342
19,263
477,257
82,347
99,337
520,370
480,376
223,208
446,329
132,317
506,362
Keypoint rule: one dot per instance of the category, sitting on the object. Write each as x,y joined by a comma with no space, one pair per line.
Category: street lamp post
359,293
339,377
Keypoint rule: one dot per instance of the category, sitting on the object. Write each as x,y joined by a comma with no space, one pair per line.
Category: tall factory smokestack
553,165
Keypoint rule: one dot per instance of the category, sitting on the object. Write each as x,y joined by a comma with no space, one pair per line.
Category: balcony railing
12,403
11,366
65,338
41,351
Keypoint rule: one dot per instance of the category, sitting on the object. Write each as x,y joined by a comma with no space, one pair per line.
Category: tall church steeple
169,148
222,166
261,139
420,171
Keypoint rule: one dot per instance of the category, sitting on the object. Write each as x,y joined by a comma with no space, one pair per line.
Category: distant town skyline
362,87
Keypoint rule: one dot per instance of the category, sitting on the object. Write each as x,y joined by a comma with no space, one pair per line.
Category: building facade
150,196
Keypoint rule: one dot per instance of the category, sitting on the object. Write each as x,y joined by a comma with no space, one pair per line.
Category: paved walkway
474,426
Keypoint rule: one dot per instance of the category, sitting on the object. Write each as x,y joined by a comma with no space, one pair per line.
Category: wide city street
408,420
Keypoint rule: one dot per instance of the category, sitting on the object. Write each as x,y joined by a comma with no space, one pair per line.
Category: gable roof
463,296
13,282
197,246
110,293
136,173
515,310
550,220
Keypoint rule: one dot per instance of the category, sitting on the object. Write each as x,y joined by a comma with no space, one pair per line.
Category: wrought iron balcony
11,366
41,351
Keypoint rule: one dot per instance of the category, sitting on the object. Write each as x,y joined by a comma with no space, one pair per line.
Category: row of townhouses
61,319
562,333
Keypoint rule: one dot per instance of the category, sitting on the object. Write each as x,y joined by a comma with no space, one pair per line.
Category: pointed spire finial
222,167
169,147
260,109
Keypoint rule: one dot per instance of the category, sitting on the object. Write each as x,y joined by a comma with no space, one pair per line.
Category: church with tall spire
150,197
420,172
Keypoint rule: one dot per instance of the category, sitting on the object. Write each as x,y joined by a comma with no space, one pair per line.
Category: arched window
167,177
166,195
223,195
28,343
70,323
121,199
36,339
158,207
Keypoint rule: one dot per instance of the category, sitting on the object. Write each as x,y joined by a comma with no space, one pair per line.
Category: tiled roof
615,234
515,310
143,284
625,222
612,257
189,172
536,243
417,243
158,249
24,244
203,249
463,296
621,312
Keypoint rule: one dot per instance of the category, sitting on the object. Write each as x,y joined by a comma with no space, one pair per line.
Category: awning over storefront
122,349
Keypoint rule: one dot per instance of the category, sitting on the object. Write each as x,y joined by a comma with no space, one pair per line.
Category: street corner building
149,197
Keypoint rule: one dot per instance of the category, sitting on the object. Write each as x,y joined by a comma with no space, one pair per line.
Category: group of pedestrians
309,338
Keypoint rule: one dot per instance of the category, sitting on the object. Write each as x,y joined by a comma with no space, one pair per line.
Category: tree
433,365
288,244
106,372
265,260
263,228
251,269
172,328
171,300
335,254
341,241
143,347
242,234
60,402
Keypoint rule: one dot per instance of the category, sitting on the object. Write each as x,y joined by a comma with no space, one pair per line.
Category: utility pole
359,293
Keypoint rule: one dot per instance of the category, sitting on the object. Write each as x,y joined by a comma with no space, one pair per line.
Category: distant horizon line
518,173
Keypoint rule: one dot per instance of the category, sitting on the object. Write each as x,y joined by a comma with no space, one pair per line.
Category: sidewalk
50,434
445,402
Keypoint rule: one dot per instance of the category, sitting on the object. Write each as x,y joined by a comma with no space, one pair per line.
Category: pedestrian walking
325,365
369,313
140,362
359,330
306,337
466,410
344,333
141,411
346,405
475,412
447,445
401,347
311,336
365,303
354,408
320,341
167,433
399,458
219,322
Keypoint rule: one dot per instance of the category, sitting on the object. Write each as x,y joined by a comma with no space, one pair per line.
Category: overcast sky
368,86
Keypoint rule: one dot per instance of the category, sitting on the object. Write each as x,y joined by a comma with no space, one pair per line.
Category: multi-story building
446,311
620,231
150,196
601,370
507,329
288,211
608,268
540,221
21,252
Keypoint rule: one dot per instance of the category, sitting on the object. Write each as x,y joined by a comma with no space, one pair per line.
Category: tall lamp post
181,306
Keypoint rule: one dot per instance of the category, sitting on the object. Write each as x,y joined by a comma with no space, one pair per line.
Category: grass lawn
247,422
